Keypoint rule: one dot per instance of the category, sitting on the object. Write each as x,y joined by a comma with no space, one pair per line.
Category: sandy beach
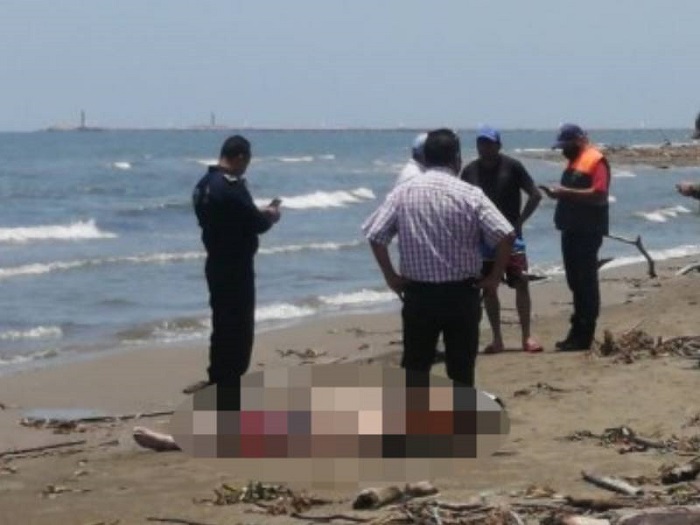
108,478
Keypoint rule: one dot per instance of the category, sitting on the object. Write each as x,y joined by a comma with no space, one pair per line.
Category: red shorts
516,269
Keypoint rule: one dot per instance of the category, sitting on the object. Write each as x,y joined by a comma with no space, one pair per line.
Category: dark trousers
450,309
232,300
580,254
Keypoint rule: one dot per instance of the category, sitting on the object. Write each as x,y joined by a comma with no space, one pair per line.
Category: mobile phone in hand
274,203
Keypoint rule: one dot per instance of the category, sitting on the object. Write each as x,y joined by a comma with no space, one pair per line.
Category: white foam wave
303,158
19,359
282,311
686,250
532,150
663,214
357,298
322,246
38,332
622,174
121,165
327,157
206,162
612,199
323,199
81,230
44,268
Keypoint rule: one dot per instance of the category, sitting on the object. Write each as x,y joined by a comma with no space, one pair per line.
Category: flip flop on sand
532,347
493,349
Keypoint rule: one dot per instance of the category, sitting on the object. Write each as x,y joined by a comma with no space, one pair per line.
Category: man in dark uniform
230,223
503,179
582,217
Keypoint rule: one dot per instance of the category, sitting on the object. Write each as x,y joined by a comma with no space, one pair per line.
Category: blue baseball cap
489,133
568,133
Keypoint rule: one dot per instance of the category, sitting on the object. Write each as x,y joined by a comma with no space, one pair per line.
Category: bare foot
154,440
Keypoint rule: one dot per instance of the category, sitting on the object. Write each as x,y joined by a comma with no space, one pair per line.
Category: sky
349,63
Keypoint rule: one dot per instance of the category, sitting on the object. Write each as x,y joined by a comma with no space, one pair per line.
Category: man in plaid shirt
440,221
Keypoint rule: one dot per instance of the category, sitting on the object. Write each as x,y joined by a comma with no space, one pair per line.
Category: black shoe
574,346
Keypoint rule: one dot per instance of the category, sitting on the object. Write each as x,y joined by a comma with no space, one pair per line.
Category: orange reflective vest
580,217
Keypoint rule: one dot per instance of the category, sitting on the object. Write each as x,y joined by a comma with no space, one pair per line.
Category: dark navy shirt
230,220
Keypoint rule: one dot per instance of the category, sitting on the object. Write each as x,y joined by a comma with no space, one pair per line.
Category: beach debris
640,246
51,491
611,483
364,346
21,451
539,388
179,521
634,344
275,500
8,469
329,518
694,267
625,437
64,426
687,472
694,421
152,440
374,498
662,516
309,353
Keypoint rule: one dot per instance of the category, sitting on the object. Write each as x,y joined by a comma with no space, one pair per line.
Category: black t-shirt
502,184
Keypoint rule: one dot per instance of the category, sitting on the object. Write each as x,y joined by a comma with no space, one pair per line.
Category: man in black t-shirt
502,179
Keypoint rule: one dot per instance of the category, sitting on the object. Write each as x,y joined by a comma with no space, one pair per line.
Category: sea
100,250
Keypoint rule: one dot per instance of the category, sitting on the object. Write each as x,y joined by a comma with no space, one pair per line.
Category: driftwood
583,520
597,505
176,520
31,421
375,498
687,472
638,243
663,516
329,518
18,451
613,484
154,440
695,267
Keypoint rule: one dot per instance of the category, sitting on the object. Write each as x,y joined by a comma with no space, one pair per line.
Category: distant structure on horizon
696,134
80,127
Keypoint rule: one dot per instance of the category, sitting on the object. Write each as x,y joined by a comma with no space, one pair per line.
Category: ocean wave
302,158
282,312
622,174
81,230
205,162
663,214
38,332
44,268
20,359
323,199
357,298
121,165
686,250
321,246
159,258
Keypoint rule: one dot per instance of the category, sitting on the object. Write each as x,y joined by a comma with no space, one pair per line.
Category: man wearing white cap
416,164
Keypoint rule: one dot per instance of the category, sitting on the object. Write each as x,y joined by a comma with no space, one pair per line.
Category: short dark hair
441,148
234,147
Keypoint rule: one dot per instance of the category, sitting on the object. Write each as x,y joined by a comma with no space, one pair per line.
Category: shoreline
77,353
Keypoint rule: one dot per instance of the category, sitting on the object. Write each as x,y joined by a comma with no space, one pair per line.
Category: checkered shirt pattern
440,221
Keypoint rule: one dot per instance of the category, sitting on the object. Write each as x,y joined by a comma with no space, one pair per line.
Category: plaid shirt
440,221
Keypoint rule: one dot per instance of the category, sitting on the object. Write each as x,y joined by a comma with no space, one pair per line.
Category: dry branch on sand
634,344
